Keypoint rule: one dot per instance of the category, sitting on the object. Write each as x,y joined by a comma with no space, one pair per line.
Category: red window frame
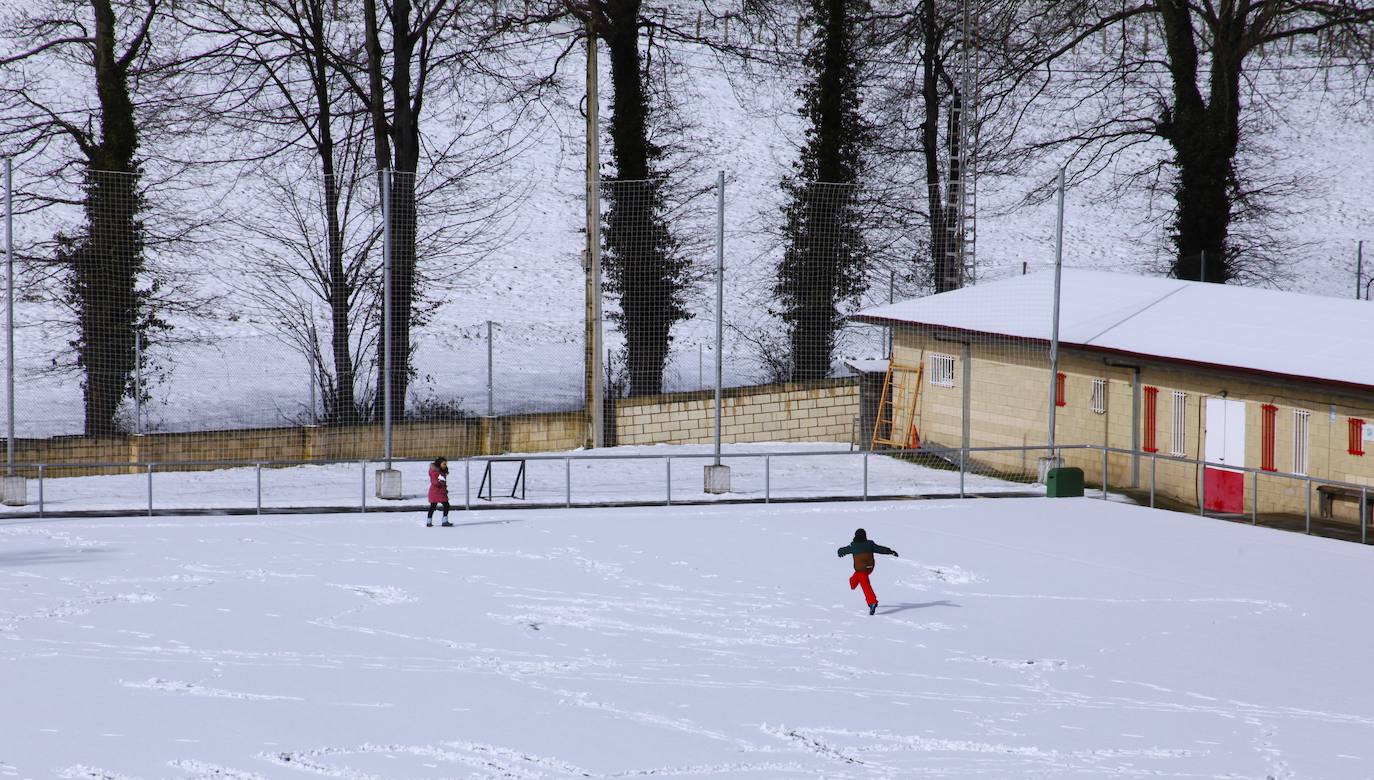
1268,422
1151,405
1356,436
1059,389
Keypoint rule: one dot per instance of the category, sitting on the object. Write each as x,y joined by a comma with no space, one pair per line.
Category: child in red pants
863,550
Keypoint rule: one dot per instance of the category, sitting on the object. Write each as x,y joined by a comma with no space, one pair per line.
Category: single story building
1281,382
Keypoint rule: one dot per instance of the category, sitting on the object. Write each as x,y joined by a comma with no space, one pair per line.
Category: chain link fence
286,328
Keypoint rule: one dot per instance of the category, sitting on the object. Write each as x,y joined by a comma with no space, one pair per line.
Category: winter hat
860,535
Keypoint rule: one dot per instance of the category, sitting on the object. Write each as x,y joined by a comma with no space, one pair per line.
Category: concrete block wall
455,439
810,411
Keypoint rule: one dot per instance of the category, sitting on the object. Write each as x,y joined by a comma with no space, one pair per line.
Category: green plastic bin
1064,482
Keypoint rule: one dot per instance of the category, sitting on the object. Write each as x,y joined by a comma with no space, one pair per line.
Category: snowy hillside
1015,638
238,373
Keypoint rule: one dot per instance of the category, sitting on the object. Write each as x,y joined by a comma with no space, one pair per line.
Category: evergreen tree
643,265
825,253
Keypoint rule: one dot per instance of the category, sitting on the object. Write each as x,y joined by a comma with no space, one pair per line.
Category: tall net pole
386,313
720,297
9,316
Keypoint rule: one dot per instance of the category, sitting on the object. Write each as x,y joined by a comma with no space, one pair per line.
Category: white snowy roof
1282,333
867,366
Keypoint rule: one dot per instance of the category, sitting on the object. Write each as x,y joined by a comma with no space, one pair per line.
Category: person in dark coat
863,550
438,490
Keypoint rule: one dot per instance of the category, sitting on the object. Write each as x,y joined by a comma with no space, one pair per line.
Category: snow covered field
793,470
1017,638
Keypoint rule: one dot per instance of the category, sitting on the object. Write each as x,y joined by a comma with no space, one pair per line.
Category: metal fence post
1154,462
1202,490
467,483
567,482
1364,503
1309,505
865,476
1254,498
150,489
40,489
1104,473
363,506
259,474
963,461
767,493
668,497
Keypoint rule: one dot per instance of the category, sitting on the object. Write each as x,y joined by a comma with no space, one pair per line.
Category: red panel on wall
1224,490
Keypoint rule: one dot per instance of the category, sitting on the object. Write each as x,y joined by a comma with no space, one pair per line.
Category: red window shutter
1151,398
1059,389
1269,416
1356,436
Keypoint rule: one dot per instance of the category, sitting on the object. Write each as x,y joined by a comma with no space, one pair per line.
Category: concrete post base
14,491
389,484
1043,466
717,479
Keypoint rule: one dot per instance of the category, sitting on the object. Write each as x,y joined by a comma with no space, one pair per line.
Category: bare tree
1193,91
280,56
312,86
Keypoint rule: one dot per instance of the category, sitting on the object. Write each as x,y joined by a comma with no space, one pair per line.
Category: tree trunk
107,261
405,136
341,405
944,271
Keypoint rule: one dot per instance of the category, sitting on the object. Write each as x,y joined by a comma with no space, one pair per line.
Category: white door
1225,432
1224,443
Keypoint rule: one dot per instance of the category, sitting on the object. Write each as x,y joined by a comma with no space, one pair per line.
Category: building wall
809,411
1009,406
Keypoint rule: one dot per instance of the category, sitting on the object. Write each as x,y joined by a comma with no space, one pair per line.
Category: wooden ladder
895,423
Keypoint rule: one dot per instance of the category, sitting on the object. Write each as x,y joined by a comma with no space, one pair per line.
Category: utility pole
13,490
593,389
1359,270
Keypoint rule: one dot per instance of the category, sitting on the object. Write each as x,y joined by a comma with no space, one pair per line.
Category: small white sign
1368,432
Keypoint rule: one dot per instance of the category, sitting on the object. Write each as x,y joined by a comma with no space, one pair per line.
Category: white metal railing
963,460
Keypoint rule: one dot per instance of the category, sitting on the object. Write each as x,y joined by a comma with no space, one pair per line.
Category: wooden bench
1329,494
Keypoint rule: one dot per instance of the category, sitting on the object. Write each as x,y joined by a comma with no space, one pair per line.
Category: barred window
1300,418
1098,404
1178,442
942,370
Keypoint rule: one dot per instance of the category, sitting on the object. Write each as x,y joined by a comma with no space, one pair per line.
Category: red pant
860,579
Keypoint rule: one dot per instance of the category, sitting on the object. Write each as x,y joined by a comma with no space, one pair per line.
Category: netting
311,268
